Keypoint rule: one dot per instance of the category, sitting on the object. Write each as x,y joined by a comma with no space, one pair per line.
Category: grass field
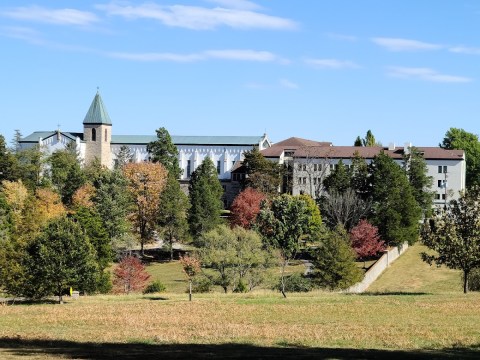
414,311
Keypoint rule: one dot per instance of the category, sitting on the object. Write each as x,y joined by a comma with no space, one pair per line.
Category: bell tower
97,133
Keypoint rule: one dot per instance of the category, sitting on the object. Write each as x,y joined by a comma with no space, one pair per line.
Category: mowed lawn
430,318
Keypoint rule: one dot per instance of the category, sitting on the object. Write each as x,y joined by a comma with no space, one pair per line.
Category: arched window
106,135
94,135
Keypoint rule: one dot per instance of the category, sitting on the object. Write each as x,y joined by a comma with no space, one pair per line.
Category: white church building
98,141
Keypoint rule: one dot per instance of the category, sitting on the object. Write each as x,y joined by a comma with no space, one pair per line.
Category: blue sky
322,70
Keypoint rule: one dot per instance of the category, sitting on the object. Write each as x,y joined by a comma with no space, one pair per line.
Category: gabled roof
34,137
292,143
97,114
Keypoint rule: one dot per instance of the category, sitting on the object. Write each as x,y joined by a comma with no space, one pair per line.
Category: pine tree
164,151
205,192
338,181
417,173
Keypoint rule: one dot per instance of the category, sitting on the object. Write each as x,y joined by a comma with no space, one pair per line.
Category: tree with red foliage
130,276
191,267
366,240
246,207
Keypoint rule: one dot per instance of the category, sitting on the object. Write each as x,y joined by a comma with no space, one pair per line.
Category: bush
154,287
201,284
295,283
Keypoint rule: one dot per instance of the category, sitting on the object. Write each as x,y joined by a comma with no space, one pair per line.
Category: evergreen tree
369,139
17,137
360,180
164,151
205,192
358,141
8,166
334,262
338,181
262,174
31,164
417,173
396,212
124,156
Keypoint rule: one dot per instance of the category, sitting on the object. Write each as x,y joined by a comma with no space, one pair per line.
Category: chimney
391,146
407,148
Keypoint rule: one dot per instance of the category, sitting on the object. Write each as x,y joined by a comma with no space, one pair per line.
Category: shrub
155,287
474,280
295,283
201,284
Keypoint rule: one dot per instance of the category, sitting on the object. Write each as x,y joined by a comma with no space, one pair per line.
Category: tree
191,267
369,139
172,214
164,151
31,166
344,209
358,141
146,181
245,208
17,137
460,139
262,174
314,225
283,223
234,253
205,194
396,212
65,172
8,166
59,258
360,180
455,235
334,262
130,276
417,173
338,180
366,240
124,156
48,206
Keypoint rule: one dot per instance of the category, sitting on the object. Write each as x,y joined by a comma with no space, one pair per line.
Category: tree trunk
284,265
141,248
465,281
171,249
190,290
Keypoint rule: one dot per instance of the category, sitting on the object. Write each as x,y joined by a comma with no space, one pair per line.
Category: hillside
410,274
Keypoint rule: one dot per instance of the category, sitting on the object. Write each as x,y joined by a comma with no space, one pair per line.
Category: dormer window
94,135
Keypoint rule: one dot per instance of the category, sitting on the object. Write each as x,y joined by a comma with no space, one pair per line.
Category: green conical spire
97,114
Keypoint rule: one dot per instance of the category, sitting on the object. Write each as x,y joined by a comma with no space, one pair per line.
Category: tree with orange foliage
83,196
246,207
146,182
48,205
130,276
191,267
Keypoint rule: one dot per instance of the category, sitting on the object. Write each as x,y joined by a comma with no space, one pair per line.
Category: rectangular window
218,166
443,196
304,167
439,169
233,163
314,167
314,181
442,169
445,169
299,181
189,170
441,183
437,196
304,181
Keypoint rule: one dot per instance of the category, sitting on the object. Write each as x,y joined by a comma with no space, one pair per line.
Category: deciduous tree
146,182
191,268
130,276
454,235
245,208
366,240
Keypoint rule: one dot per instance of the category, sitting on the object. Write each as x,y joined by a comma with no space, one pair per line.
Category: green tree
172,214
369,139
59,258
262,174
338,180
17,137
417,173
8,166
314,225
205,192
334,261
234,254
31,165
396,212
164,151
65,172
358,141
454,235
360,180
283,224
124,156
460,139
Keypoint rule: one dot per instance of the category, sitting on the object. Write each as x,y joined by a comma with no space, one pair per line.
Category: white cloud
199,18
287,84
465,50
425,74
239,55
342,37
237,4
396,44
332,64
52,16
23,33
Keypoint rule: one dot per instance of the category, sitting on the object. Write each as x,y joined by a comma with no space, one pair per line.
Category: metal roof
189,140
34,137
97,114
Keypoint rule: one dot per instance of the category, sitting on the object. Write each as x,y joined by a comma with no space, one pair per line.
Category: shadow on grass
11,301
396,293
68,349
155,298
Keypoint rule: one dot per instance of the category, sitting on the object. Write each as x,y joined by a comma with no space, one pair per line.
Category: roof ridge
97,113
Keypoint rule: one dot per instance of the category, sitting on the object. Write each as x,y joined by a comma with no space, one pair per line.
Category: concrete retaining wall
379,267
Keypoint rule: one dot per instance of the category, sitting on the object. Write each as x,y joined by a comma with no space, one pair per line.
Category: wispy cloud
237,4
425,74
333,64
396,44
232,54
51,16
199,18
465,50
23,33
287,84
342,37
